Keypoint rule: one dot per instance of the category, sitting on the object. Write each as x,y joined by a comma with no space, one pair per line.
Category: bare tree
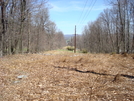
25,27
3,5
113,29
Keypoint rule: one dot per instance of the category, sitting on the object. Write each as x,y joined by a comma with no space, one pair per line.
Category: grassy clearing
65,76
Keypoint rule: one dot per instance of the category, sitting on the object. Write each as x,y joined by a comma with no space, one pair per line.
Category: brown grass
63,76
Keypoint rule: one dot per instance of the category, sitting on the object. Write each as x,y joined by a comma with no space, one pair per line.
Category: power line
88,11
85,11
82,11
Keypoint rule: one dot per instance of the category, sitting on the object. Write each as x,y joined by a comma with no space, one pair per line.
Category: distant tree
25,26
113,29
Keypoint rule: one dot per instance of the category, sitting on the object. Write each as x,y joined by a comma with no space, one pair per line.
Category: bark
3,12
23,7
28,47
132,50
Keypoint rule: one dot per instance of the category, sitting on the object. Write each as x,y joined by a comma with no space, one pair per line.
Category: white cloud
61,6
57,8
101,7
76,2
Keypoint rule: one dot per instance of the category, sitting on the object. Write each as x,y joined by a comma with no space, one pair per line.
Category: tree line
112,31
25,26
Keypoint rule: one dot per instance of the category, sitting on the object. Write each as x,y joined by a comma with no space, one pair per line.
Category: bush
70,48
112,53
84,51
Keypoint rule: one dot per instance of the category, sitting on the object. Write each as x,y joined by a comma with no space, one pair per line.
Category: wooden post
75,40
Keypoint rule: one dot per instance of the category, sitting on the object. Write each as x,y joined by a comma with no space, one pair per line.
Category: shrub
84,51
70,48
112,53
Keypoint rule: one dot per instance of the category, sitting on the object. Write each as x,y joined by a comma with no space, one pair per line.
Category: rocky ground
63,76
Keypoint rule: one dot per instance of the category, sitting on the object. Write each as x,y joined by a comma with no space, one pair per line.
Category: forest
35,64
112,31
25,26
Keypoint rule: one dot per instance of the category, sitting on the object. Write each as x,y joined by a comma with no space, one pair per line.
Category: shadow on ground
93,72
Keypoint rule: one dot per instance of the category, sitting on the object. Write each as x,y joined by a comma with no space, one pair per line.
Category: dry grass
63,76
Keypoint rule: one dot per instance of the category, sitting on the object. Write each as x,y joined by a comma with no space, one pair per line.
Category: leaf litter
67,77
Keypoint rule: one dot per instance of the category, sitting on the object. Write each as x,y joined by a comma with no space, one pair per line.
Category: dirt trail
63,76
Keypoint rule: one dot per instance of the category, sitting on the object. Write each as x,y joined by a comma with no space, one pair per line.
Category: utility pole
75,40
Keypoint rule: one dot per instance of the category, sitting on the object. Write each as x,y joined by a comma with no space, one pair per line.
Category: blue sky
68,13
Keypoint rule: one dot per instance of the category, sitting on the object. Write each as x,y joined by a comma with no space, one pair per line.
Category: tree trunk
28,46
3,12
23,7
132,50
122,34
